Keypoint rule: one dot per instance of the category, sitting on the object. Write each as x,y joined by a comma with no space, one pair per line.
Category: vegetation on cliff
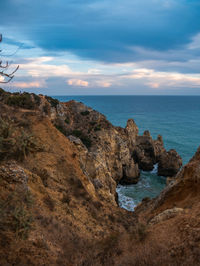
58,200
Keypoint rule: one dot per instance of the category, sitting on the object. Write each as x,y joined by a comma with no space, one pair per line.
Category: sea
176,118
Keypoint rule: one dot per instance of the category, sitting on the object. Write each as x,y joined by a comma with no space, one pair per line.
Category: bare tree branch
7,77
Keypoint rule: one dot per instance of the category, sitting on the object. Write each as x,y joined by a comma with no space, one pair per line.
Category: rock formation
110,152
59,166
169,163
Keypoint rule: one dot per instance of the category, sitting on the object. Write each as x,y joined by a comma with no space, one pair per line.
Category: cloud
93,45
26,85
78,83
94,71
153,85
163,80
195,44
102,31
43,67
103,84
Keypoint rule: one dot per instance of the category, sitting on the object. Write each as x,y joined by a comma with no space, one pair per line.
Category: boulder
169,163
131,174
165,215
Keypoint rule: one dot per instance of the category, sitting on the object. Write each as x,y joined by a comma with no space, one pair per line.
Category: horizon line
82,95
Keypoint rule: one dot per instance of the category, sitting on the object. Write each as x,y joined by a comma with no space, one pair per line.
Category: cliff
59,167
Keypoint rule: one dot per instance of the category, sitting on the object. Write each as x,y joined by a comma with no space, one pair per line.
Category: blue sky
103,46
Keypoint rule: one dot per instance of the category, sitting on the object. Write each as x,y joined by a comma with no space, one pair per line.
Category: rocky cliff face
107,154
112,153
59,165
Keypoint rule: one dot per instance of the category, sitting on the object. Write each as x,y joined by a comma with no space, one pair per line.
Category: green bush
67,121
60,128
22,221
15,142
52,101
93,123
23,100
25,144
97,128
85,113
85,139
77,133
15,215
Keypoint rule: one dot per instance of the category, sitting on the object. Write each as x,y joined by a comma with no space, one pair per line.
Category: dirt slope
52,214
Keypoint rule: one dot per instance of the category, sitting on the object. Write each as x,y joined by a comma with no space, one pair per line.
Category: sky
102,47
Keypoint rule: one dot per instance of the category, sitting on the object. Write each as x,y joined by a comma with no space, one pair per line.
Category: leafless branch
7,77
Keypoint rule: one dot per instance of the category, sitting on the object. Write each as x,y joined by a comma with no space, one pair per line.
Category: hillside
59,167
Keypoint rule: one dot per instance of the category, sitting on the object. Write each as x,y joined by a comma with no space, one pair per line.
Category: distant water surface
176,118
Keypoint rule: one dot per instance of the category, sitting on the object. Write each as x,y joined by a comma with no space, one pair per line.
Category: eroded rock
165,215
169,163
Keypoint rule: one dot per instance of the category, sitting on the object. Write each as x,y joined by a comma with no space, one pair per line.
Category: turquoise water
176,118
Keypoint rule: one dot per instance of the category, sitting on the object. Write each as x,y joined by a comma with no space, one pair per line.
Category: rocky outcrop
130,174
147,152
144,152
107,152
57,203
169,163
165,215
185,184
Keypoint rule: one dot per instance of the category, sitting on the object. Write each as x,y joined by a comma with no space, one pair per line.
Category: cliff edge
59,167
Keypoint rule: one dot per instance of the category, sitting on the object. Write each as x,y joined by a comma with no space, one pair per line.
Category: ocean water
176,118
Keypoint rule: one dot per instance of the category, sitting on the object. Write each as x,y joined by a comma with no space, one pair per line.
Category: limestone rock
148,151
144,152
11,172
165,215
169,163
107,153
131,174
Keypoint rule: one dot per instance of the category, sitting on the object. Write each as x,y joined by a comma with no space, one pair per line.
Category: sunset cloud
78,82
44,67
155,79
26,85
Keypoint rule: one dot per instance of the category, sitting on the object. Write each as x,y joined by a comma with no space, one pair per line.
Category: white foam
124,201
155,169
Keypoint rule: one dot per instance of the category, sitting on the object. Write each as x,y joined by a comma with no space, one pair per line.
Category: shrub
97,128
76,133
92,123
46,108
22,221
67,120
15,142
25,144
23,100
60,128
5,129
86,140
15,215
85,113
141,231
52,101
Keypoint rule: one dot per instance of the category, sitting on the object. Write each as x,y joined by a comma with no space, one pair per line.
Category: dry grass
15,214
15,142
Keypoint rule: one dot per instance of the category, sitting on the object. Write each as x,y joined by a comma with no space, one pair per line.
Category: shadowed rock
169,163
